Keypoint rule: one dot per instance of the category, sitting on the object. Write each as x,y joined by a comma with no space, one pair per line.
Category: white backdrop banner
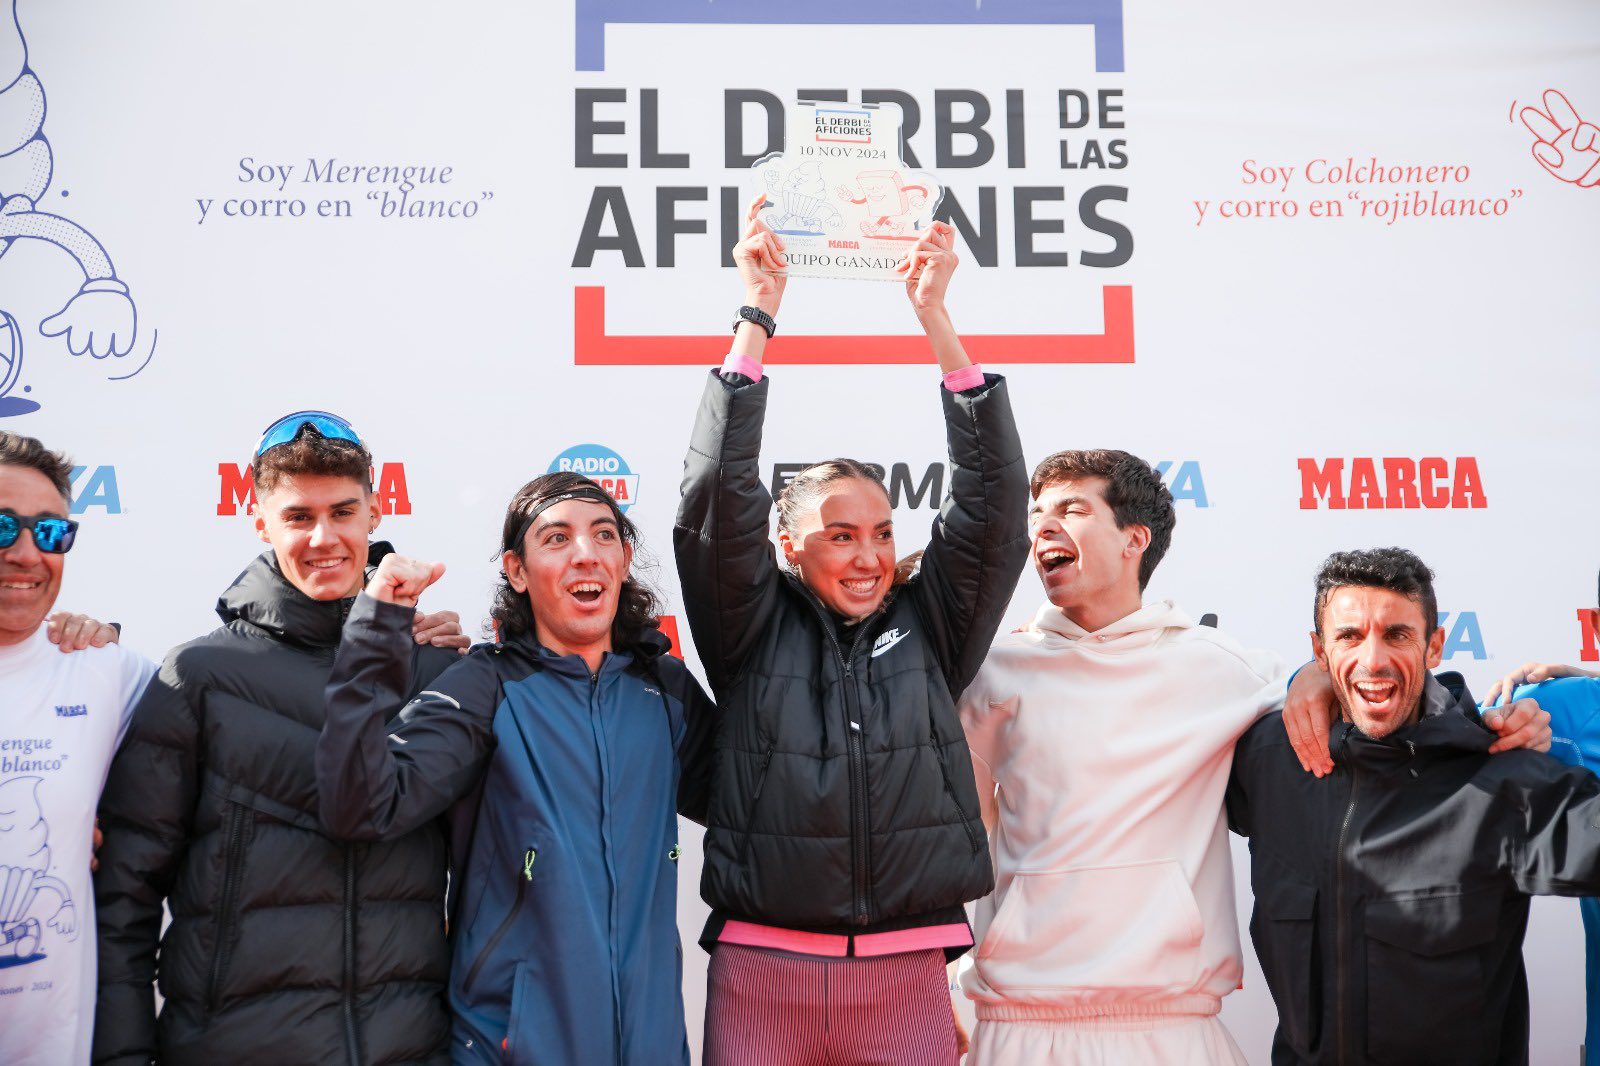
1331,267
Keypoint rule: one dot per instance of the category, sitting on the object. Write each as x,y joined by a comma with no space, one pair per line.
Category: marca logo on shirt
1463,636
1393,482
1185,481
71,710
95,486
236,492
1587,636
887,640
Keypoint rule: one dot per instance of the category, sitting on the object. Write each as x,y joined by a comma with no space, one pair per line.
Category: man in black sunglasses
61,719
285,946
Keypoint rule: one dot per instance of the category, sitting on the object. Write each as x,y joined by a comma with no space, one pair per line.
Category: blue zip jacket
561,789
1574,706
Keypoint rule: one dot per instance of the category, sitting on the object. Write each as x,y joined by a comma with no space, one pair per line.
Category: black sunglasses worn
50,534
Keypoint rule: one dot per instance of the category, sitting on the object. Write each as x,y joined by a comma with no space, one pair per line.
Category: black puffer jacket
285,946
1391,896
843,800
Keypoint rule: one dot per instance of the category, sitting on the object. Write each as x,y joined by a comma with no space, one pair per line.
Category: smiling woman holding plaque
844,832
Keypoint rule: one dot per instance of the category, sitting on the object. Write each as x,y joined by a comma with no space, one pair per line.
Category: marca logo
602,466
236,493
1184,481
908,487
593,16
1463,636
1357,484
95,486
1588,637
71,710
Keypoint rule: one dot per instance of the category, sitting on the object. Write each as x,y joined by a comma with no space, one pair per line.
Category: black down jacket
1391,896
285,947
843,798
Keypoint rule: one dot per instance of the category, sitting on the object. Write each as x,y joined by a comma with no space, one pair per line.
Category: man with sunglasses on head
61,719
285,946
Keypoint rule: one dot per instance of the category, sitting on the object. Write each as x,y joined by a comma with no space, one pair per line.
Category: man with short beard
1391,896
285,946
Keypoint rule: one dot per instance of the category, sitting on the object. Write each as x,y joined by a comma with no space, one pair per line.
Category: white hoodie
1101,761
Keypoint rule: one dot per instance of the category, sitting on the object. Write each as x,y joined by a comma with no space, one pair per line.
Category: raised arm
721,538
377,779
980,538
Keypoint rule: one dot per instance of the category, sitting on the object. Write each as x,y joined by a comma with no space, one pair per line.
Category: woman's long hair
511,614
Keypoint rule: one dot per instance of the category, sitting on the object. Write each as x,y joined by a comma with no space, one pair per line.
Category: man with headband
284,946
559,753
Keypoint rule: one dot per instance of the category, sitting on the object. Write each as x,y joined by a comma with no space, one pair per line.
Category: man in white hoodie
1102,735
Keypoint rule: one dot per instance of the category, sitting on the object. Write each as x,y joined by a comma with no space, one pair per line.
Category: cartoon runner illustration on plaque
100,319
892,206
840,193
31,900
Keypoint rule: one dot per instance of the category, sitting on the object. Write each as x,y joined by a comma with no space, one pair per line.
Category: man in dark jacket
285,946
1391,896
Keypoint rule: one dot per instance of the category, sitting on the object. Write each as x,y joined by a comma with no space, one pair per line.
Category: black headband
584,492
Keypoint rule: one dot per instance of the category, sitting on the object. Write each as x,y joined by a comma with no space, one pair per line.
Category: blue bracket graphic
593,16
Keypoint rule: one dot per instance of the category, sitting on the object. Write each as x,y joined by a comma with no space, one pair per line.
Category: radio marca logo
604,467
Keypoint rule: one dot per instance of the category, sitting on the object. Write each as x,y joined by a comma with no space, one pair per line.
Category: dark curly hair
1394,569
1134,491
511,614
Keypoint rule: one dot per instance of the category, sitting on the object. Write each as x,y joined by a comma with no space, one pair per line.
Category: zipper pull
527,864
673,855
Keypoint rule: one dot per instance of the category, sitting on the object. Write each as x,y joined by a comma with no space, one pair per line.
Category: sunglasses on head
50,534
289,427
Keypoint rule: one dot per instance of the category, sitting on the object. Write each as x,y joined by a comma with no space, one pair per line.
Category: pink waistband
837,946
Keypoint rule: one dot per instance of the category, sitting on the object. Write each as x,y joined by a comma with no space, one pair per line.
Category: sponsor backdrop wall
1332,269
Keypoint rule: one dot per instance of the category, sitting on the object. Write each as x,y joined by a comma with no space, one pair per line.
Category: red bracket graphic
593,346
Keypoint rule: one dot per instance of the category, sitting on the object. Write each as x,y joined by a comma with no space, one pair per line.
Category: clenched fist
402,580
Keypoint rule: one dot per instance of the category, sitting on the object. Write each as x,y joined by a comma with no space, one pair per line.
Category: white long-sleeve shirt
61,719
1101,760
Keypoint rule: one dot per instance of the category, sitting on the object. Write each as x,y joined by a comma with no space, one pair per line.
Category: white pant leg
1162,1040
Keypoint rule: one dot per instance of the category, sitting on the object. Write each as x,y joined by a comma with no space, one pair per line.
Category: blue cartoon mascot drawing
30,898
99,319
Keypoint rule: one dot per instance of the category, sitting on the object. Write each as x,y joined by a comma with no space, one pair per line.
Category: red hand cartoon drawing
1568,147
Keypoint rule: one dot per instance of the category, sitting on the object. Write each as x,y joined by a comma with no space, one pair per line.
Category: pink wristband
742,364
968,377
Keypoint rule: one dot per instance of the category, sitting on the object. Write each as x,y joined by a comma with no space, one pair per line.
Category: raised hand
759,257
928,267
1567,146
402,580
